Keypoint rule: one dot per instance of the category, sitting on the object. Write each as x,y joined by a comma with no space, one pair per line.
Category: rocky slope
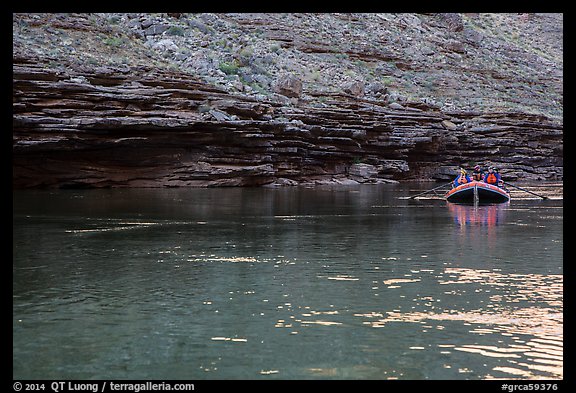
150,100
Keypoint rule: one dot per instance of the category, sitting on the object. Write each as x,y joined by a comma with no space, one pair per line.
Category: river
287,283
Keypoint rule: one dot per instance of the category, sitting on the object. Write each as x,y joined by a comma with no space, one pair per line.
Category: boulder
447,124
156,29
196,24
453,21
472,36
395,105
219,115
377,88
356,88
455,46
288,85
165,45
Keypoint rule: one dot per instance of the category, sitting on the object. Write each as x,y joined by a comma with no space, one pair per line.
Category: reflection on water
542,351
488,215
284,284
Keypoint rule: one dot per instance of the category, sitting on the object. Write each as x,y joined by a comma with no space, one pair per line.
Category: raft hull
487,193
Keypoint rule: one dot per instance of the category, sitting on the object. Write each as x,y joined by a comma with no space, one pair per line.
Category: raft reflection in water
484,215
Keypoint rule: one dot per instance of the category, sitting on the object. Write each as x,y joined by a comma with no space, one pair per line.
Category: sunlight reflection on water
284,284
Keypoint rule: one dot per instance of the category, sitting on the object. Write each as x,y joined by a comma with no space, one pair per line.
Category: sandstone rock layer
146,127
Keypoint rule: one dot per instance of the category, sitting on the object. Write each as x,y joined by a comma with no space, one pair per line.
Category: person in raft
500,180
462,178
492,177
477,174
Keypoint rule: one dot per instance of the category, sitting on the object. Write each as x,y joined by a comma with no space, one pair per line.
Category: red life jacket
491,179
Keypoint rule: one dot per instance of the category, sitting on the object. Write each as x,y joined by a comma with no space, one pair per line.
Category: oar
425,192
529,192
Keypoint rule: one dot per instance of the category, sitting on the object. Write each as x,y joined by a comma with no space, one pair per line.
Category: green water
289,283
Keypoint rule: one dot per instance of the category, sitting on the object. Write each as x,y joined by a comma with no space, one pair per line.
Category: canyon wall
78,124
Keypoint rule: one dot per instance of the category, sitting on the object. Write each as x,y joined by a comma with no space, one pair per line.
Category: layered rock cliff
152,120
